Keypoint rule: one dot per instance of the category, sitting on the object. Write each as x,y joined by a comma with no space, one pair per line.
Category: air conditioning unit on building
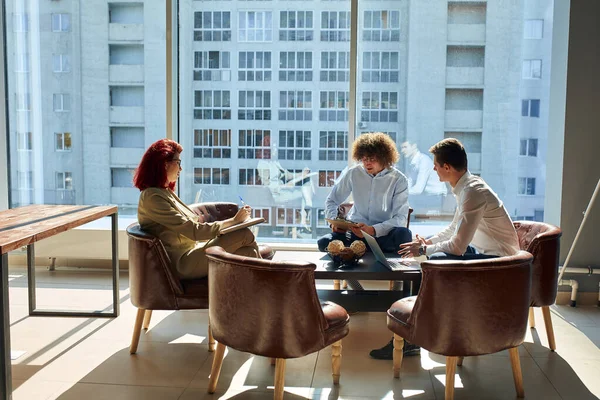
362,125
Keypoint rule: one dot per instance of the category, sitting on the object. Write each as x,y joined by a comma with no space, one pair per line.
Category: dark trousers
470,254
389,243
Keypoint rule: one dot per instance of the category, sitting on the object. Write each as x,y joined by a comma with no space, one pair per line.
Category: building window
254,105
21,22
212,143
212,26
211,176
294,145
212,66
527,186
335,66
295,105
254,66
529,147
24,141
292,217
212,104
327,178
333,145
379,107
530,108
532,69
61,63
321,222
64,181
295,66
534,29
121,177
63,141
249,177
62,102
22,62
335,26
23,101
61,22
254,143
25,179
255,26
380,66
333,106
295,25
262,213
381,26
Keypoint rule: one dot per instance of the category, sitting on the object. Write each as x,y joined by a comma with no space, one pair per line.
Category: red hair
152,172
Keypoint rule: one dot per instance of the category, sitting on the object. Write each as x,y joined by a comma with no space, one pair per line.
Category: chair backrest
217,211
153,285
264,307
344,209
467,308
543,241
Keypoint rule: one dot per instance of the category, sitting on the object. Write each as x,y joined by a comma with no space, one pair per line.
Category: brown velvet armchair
270,309
466,308
543,241
154,284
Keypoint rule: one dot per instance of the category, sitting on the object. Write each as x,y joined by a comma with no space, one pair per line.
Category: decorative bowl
345,257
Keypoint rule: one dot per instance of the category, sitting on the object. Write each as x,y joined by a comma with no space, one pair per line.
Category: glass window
333,145
333,106
61,63
335,26
381,26
212,66
295,66
121,177
295,105
532,69
211,176
335,66
254,66
64,181
24,141
62,102
63,141
380,66
255,26
294,145
527,186
533,29
61,22
212,143
296,26
212,26
530,108
212,104
254,105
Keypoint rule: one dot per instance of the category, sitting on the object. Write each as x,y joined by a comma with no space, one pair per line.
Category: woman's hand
243,214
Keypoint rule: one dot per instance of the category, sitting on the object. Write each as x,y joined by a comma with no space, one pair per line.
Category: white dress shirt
422,178
380,201
480,220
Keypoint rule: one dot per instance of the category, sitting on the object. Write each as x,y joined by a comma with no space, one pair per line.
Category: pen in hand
242,200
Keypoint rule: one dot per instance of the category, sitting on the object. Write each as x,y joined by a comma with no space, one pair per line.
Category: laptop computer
395,264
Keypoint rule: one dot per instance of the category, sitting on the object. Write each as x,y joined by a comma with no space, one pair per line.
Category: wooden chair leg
336,361
460,361
211,339
398,355
279,378
450,371
344,284
336,284
137,330
516,369
147,318
391,285
531,318
216,367
549,329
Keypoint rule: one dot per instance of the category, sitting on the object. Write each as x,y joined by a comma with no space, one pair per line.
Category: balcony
463,119
126,73
466,33
124,195
464,76
125,32
124,155
127,115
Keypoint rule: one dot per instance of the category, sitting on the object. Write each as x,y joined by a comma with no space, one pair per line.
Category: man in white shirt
481,227
419,171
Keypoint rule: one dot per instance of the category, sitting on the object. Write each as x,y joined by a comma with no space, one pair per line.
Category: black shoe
387,351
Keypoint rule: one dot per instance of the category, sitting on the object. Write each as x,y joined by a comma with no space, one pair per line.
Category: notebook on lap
395,264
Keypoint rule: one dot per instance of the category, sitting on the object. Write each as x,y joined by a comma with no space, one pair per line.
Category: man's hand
411,249
363,227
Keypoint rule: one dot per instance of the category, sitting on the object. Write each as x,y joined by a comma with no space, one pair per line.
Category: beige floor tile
89,391
576,379
35,389
248,394
243,371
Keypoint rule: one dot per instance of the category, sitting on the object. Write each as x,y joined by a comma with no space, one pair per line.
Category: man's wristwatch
422,250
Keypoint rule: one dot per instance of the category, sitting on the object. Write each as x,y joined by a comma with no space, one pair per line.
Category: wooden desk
24,226
367,269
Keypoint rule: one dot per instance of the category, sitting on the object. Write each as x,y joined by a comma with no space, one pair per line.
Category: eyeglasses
368,159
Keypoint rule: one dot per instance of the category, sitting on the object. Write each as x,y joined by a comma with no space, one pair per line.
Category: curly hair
377,145
152,172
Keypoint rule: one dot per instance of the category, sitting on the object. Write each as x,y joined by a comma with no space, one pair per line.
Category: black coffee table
367,269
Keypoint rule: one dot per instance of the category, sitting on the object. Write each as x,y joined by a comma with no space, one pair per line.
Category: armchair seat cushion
398,316
337,320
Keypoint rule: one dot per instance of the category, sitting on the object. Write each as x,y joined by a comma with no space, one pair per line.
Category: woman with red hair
162,214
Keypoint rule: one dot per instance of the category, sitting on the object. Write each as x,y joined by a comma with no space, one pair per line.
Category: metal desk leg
31,277
5,364
115,262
